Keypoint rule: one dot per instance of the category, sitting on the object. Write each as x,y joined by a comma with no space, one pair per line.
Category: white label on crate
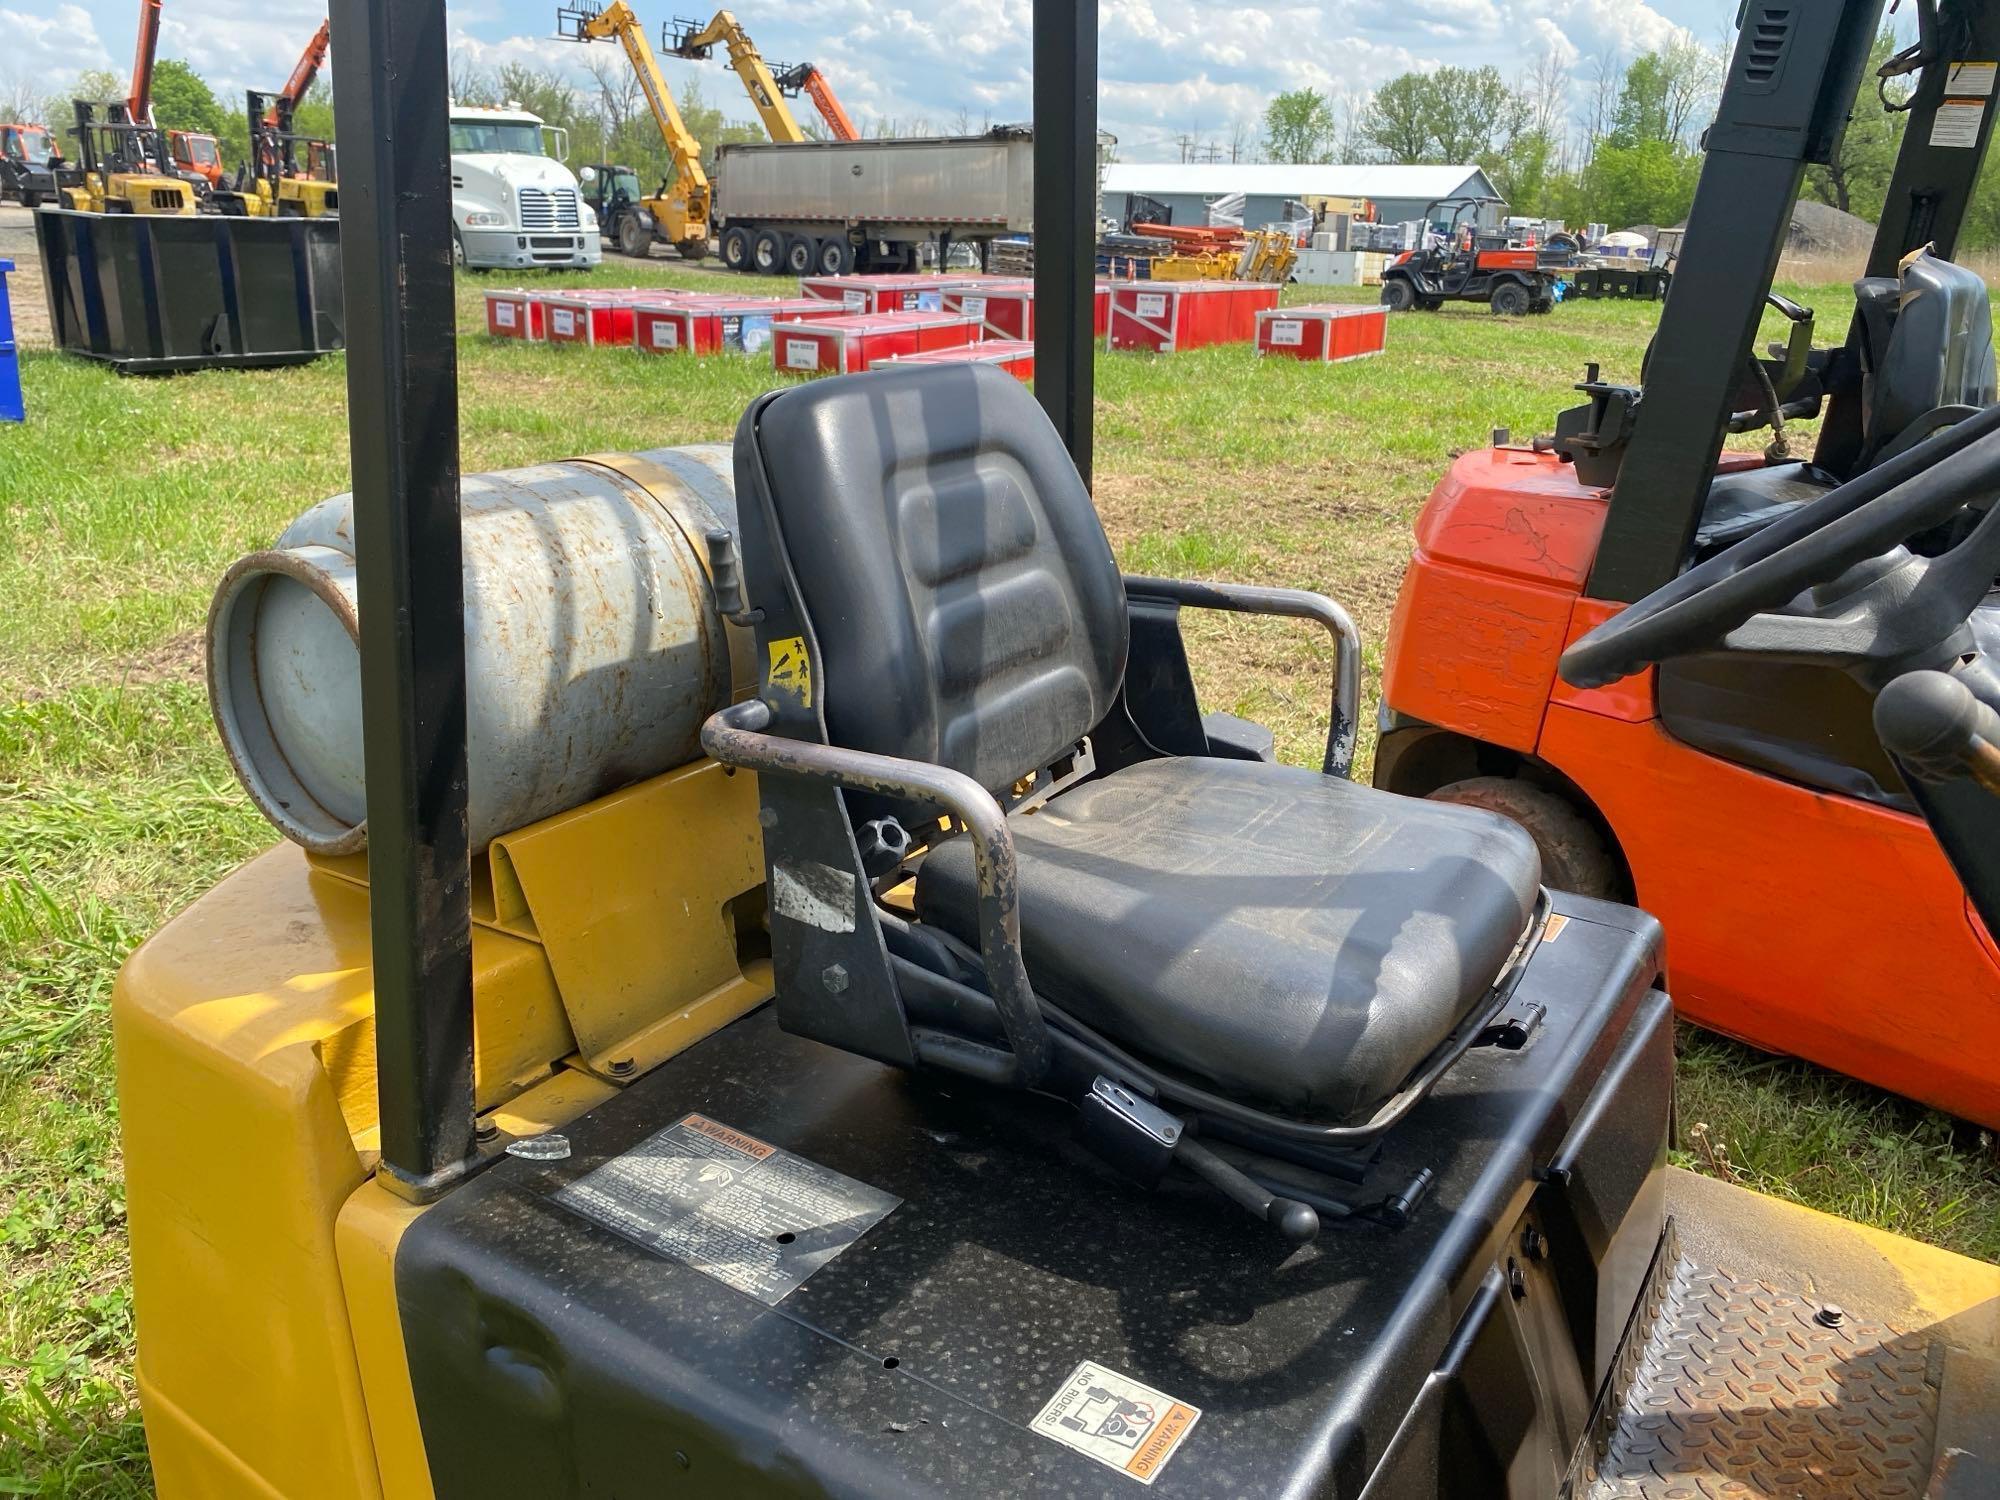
1117,1421
1152,304
801,354
1968,80
503,314
1956,122
665,335
974,307
1288,331
854,301
562,320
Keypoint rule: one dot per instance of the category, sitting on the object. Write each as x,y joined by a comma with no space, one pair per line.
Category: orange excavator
194,153
806,79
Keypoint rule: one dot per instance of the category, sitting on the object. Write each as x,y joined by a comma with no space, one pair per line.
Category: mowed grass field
121,502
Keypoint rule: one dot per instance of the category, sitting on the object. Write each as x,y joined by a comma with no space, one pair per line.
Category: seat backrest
1930,342
958,591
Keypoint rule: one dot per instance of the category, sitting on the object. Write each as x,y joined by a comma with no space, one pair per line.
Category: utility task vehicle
774,987
1739,792
1458,267
27,165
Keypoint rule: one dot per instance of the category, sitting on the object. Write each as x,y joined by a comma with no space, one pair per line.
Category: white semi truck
512,204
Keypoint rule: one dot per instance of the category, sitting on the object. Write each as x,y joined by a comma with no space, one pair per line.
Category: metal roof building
1188,188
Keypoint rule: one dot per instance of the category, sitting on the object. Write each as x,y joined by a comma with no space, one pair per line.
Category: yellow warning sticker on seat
1116,1420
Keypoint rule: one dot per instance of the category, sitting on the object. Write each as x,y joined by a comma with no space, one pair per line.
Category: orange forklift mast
1738,790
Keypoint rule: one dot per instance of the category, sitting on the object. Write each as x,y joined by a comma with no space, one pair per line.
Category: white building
1188,188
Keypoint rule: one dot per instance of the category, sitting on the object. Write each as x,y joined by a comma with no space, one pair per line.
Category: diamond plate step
1738,1390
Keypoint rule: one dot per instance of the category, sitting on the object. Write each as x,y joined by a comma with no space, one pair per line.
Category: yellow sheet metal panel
649,904
237,1158
370,1227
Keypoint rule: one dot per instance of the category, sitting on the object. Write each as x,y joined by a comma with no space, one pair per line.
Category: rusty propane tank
593,651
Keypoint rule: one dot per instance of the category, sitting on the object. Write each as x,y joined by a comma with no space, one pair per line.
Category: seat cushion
1292,939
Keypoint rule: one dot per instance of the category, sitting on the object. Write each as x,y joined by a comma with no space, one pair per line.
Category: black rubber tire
30,200
635,238
692,250
833,256
736,248
1575,856
767,253
1398,295
1510,300
800,252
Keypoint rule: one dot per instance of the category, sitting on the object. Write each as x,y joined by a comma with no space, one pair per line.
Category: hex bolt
485,1130
834,977
1516,1282
1830,1315
767,817
1532,1244
622,1068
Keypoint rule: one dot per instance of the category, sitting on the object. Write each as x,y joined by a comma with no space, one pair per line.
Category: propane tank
593,650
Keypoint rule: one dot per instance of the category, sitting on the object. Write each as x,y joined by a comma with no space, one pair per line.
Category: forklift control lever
1937,729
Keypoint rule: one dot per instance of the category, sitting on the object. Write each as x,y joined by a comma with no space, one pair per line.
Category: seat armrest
1298,604
735,736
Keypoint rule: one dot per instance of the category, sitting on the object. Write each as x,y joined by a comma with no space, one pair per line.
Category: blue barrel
155,293
12,408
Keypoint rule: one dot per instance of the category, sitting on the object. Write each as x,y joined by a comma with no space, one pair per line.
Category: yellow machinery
271,181
680,210
121,168
695,42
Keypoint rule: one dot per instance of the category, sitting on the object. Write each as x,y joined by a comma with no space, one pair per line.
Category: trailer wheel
799,253
1398,295
736,248
1510,300
834,256
1574,854
767,252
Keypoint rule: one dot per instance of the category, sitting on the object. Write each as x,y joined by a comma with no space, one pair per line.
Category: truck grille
543,209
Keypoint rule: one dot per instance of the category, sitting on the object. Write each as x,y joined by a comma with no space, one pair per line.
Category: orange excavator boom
310,62
139,103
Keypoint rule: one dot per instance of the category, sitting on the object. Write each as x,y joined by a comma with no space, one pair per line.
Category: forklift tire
1511,300
833,256
799,254
1574,854
767,253
736,248
30,200
635,237
1398,295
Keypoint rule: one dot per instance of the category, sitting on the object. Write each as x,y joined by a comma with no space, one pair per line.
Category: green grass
121,502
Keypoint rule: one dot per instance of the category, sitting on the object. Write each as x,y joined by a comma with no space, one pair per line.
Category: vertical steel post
1065,62
391,93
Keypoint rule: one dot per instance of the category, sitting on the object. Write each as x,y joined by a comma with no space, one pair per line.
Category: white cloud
40,49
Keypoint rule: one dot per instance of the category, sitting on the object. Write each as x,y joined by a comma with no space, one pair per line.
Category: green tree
182,100
1642,103
1648,183
1449,115
1857,179
1298,126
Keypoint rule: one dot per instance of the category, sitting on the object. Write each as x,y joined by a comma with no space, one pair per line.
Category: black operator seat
1927,348
1295,940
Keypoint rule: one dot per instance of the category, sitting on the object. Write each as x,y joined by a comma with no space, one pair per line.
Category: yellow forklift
273,180
773,986
123,167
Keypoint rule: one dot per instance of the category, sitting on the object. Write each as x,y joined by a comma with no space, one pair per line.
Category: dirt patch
179,658
24,282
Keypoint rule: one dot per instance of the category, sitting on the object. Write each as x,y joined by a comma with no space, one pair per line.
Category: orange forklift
1737,790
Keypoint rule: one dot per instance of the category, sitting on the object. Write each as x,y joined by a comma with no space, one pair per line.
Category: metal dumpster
150,294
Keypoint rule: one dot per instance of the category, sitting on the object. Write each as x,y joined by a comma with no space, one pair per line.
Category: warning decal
1117,1421
1969,78
1956,122
731,1206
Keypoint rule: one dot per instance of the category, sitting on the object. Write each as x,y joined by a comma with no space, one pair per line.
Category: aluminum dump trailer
830,207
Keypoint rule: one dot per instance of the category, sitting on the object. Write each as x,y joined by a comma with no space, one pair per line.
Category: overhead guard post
402,393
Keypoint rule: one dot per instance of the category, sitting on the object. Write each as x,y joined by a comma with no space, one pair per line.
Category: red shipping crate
1011,355
513,314
1007,306
739,325
852,342
602,314
1169,316
900,291
1325,333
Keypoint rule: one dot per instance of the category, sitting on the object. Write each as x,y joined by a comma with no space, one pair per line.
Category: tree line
1618,144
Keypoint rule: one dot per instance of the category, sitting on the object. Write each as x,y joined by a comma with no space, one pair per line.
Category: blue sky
1168,66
